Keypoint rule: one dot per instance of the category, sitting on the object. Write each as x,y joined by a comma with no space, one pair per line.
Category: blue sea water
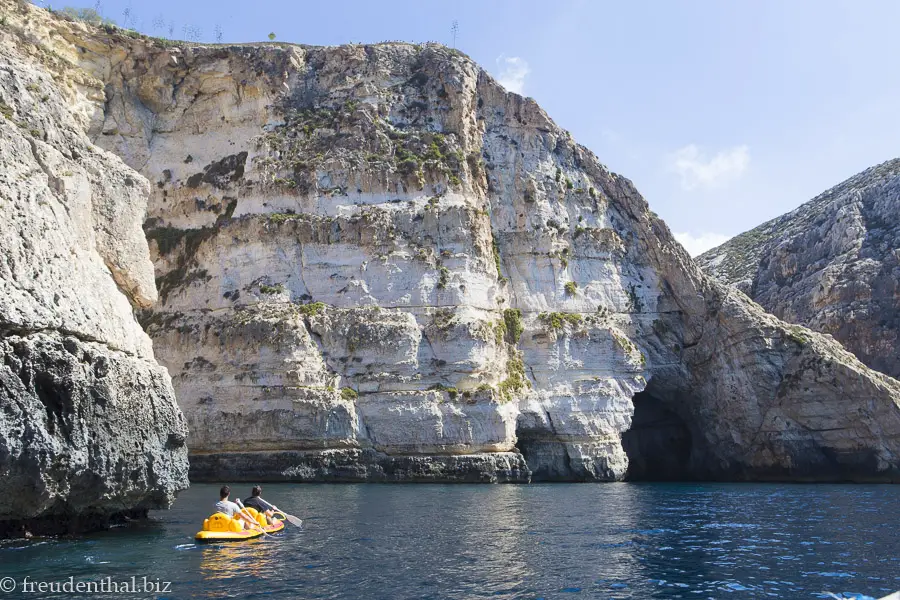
627,540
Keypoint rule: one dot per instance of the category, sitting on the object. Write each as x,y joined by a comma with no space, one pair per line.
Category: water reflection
232,560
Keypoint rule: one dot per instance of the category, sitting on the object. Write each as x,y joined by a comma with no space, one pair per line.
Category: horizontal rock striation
832,265
89,427
374,263
362,466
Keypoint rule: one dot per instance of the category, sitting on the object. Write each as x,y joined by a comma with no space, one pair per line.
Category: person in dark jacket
255,500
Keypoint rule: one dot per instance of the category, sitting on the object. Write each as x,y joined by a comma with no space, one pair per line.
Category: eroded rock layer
89,426
832,265
374,263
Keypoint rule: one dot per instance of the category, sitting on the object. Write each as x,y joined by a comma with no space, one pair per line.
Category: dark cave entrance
547,459
659,443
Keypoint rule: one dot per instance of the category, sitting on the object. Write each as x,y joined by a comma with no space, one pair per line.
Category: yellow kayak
222,528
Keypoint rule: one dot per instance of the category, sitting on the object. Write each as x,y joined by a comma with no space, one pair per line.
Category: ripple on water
730,526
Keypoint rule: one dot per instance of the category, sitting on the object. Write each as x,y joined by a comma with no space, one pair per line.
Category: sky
723,113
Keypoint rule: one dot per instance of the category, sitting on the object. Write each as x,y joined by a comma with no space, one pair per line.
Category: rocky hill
89,427
376,264
832,265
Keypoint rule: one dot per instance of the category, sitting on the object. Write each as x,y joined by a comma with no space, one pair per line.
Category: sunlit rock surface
374,263
832,265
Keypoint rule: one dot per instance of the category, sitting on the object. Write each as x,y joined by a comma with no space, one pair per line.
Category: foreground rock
832,265
376,264
89,428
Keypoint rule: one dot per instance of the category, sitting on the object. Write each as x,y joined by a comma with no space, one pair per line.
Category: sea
567,541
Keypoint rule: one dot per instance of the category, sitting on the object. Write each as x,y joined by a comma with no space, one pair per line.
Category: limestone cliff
832,265
89,426
374,263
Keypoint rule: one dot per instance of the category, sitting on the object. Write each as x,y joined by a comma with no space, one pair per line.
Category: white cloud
698,244
696,170
512,73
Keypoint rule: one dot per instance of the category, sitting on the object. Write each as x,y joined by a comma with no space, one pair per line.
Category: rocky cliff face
374,263
832,265
89,427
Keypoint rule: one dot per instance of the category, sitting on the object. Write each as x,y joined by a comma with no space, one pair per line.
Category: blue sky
723,113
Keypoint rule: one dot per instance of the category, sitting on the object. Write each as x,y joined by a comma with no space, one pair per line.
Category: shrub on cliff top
349,394
88,15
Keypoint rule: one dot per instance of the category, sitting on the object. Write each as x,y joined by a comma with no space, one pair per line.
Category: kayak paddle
290,518
249,516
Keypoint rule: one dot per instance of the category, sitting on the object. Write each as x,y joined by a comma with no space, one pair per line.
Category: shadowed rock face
89,427
832,265
374,263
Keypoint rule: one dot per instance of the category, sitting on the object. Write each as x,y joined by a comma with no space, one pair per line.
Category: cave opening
658,444
547,459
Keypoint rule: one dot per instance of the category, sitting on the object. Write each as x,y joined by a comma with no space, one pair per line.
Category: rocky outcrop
89,426
832,265
374,263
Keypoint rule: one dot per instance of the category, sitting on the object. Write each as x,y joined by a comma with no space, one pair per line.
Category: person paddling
230,509
255,500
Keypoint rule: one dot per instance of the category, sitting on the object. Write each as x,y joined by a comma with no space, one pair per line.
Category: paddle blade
294,520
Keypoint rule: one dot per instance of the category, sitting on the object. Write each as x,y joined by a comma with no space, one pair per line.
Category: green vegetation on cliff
558,320
513,319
